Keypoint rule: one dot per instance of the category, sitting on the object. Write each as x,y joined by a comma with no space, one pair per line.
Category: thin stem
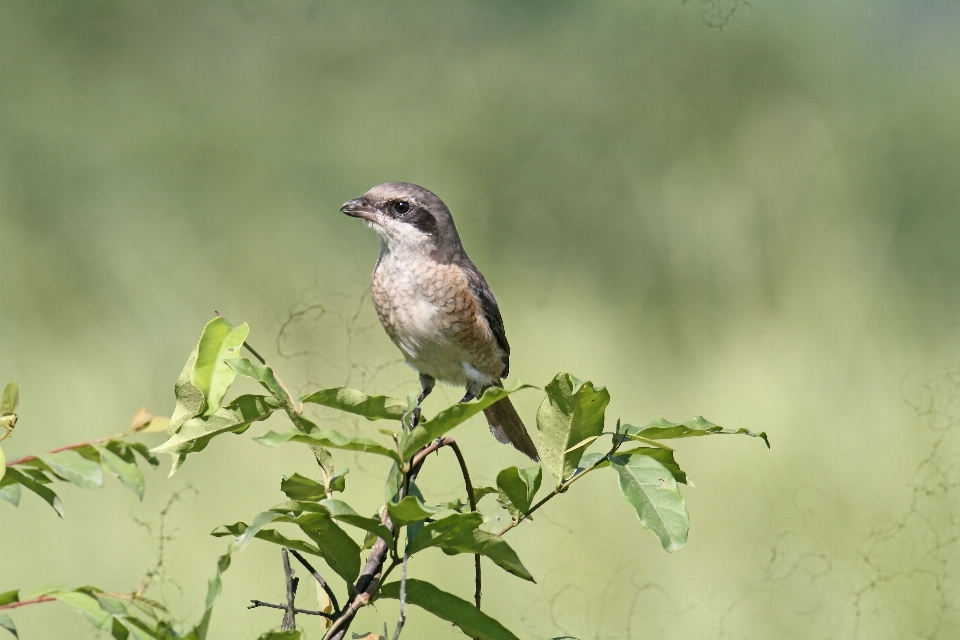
403,598
478,578
68,447
373,574
563,486
319,578
254,352
24,603
343,622
289,618
260,603
246,346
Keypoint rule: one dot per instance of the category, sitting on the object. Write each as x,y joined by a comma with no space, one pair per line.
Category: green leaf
195,433
10,490
664,457
638,438
259,522
356,402
324,460
9,597
517,488
368,541
664,430
219,342
336,547
298,487
446,606
651,489
410,509
568,417
414,527
189,399
330,438
460,533
479,492
445,531
113,606
429,430
47,494
3,464
141,449
338,510
120,632
73,467
591,459
268,535
392,487
88,606
43,590
10,399
339,482
7,623
129,474
343,512
36,474
264,375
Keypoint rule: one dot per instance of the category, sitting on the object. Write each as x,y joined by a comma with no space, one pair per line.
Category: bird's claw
414,417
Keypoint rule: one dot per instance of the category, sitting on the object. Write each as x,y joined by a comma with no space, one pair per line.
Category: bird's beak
359,208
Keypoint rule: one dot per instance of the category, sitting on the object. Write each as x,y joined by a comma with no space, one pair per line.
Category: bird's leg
426,384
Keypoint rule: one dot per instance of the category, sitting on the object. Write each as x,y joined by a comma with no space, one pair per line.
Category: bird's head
407,217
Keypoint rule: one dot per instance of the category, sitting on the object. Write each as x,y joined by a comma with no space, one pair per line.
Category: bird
435,304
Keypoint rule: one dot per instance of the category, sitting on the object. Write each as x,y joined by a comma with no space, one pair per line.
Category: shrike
435,304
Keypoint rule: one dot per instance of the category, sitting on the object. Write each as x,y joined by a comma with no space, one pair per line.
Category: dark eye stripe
423,220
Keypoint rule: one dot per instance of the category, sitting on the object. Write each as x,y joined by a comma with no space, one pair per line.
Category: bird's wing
491,312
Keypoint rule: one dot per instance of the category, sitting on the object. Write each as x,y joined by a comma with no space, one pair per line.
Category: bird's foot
468,397
414,417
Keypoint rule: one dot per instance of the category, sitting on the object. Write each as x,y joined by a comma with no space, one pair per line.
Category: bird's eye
401,207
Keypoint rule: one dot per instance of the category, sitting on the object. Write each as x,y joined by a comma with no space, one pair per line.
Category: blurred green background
757,224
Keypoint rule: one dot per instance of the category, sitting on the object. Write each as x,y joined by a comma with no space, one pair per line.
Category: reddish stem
68,447
23,603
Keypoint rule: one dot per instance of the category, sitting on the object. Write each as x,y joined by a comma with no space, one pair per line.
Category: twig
367,584
563,486
24,603
260,603
403,597
319,578
473,507
373,573
49,598
415,465
289,618
70,446
254,352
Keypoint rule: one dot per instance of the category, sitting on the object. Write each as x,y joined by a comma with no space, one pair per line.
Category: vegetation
316,521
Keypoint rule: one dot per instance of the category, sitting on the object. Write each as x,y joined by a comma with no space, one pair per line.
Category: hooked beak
359,208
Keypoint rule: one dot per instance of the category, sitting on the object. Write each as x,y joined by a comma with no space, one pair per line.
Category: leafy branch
315,520
570,420
82,464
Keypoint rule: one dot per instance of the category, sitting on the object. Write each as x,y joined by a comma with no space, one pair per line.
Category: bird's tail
507,427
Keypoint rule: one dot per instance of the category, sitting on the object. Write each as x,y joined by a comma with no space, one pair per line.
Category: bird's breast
429,312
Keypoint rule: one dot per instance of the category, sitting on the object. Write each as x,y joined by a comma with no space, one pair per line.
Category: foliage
571,420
